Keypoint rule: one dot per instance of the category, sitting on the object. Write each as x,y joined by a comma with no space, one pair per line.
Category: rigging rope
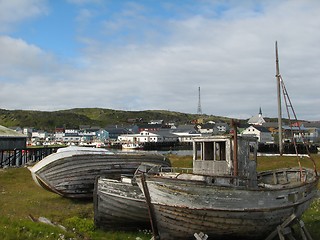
293,139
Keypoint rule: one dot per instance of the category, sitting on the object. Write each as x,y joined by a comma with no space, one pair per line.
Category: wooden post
279,102
20,162
14,158
235,147
150,208
1,159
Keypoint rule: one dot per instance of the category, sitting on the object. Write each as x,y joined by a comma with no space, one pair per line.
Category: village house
310,131
212,128
262,133
313,131
160,122
114,132
149,127
71,136
222,127
272,127
160,136
39,134
142,137
167,135
89,134
185,133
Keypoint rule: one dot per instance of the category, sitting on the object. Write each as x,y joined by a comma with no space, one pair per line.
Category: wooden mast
279,102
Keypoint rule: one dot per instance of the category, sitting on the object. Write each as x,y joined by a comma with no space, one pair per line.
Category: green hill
73,118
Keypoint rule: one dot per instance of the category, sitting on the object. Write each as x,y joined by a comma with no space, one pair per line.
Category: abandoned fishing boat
71,171
119,205
225,196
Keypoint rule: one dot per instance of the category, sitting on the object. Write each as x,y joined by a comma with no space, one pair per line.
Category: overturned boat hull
71,172
119,205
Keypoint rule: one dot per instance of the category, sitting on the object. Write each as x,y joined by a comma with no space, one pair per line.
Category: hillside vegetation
73,118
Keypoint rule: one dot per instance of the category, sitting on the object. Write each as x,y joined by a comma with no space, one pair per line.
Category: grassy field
22,203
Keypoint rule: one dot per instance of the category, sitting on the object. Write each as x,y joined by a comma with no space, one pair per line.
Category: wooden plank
150,207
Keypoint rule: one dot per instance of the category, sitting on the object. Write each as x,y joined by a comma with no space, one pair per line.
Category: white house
186,137
262,133
145,136
40,134
207,128
185,133
212,128
141,137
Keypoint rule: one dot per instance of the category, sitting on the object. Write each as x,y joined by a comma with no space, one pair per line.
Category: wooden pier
21,157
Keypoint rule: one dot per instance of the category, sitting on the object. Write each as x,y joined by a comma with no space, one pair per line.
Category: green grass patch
21,200
180,161
26,229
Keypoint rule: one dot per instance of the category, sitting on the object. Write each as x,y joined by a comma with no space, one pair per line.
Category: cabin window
214,151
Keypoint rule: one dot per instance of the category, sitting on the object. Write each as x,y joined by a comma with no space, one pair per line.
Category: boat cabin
215,156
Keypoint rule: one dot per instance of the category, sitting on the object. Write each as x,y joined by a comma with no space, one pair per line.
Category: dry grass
21,197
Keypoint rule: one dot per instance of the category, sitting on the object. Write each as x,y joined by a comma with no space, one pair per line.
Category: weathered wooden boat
119,205
71,171
225,196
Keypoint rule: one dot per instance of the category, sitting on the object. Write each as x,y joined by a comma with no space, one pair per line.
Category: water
175,152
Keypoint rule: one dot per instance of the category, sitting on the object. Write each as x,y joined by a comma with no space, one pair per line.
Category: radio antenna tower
199,111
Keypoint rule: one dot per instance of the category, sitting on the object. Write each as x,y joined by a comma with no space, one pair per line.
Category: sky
137,55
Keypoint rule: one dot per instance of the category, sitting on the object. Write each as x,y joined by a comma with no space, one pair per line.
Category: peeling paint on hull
183,207
119,205
72,174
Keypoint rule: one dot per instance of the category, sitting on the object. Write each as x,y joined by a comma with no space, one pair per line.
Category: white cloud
231,57
15,11
19,59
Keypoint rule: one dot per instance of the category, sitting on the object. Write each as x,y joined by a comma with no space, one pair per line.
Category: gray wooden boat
225,196
71,171
119,205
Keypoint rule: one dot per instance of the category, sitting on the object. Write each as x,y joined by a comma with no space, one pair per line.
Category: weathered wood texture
225,196
72,173
184,207
119,205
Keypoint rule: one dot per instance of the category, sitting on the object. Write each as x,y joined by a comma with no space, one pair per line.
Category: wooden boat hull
183,207
72,174
119,205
